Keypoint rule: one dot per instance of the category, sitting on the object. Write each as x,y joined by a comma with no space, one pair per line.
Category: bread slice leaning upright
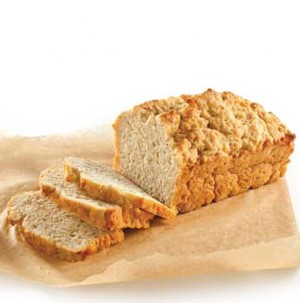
54,232
191,150
102,182
70,197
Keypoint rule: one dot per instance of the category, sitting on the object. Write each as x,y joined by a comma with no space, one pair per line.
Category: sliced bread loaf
191,150
104,183
101,214
55,232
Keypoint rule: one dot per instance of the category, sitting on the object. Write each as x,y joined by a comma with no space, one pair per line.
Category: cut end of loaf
145,155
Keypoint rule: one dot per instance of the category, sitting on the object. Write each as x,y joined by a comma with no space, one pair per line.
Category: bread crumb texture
102,182
69,196
55,232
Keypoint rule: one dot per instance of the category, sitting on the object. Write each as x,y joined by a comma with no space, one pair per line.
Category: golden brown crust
50,249
201,183
136,218
213,123
113,195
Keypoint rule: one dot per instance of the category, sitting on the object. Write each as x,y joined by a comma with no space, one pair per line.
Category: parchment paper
252,231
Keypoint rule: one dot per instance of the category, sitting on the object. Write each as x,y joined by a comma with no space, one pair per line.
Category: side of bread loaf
102,182
55,232
192,150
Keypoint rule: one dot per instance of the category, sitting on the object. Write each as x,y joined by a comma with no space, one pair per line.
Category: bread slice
102,182
69,196
191,150
55,232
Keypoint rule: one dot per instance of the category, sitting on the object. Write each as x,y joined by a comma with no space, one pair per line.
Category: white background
73,64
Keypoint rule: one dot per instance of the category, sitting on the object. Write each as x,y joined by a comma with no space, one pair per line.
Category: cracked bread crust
126,200
39,221
215,123
203,183
135,217
223,145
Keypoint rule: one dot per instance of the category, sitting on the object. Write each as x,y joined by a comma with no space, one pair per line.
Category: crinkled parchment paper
252,231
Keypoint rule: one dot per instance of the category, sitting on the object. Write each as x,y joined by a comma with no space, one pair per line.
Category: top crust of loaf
214,123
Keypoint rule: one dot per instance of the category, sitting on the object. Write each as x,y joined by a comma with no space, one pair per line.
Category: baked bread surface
196,149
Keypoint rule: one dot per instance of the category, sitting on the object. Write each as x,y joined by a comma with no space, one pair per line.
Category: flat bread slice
55,232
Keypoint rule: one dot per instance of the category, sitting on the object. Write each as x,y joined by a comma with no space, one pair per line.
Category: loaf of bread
70,197
192,150
55,232
103,183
